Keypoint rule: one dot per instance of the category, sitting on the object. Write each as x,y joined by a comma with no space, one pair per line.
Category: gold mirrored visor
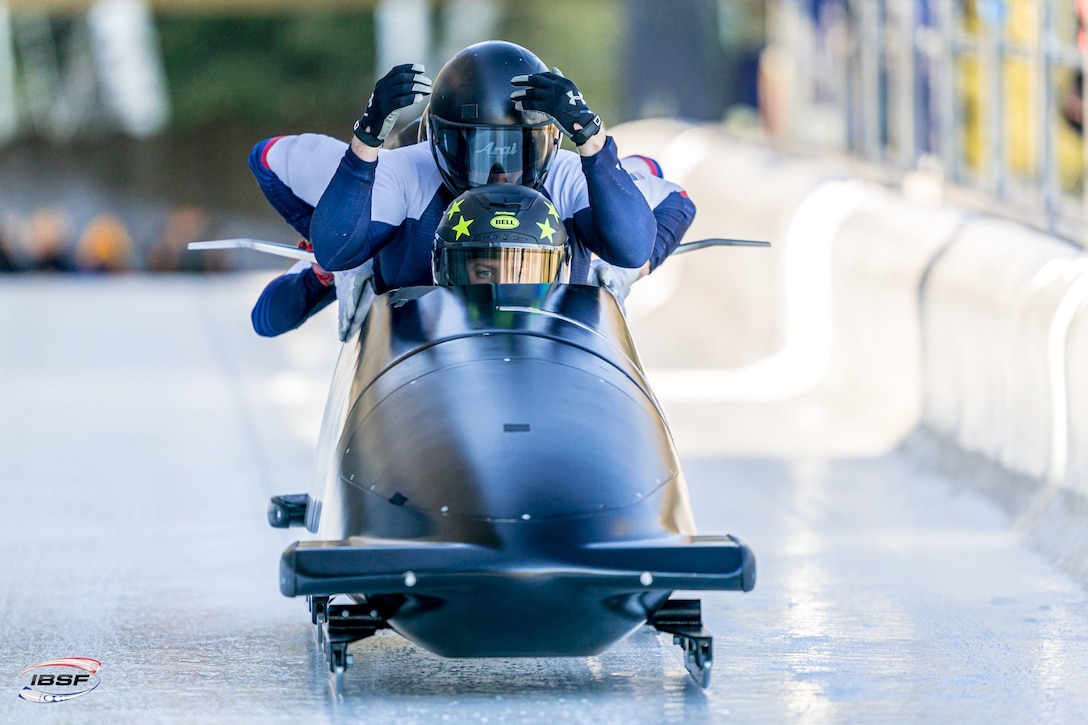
502,265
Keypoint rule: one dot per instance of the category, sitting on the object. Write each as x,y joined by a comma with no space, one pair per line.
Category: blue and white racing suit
388,210
673,209
292,298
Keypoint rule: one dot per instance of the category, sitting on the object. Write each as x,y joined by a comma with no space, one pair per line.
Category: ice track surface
143,427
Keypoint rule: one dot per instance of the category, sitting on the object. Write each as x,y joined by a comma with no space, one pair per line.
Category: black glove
401,87
551,93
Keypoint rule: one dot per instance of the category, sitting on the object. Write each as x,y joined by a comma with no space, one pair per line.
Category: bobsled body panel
444,440
504,403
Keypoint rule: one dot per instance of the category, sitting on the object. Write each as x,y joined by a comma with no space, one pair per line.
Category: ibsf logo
59,680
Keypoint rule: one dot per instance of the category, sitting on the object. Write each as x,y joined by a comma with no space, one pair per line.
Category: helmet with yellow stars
500,234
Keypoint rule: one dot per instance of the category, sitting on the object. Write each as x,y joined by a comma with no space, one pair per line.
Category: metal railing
964,91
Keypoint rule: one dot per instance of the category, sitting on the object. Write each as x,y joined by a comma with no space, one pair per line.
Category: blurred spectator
105,246
170,254
48,242
9,253
1072,103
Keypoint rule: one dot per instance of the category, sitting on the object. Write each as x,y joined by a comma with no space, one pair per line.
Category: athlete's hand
399,88
551,93
617,280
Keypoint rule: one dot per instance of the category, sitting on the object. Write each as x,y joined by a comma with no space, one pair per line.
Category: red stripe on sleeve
264,151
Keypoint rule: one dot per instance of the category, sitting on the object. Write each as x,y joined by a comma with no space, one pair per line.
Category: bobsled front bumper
383,566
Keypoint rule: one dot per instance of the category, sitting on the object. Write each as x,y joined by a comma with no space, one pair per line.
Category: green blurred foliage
283,74
581,38
314,71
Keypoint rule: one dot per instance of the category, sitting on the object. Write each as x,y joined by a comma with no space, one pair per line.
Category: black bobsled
496,478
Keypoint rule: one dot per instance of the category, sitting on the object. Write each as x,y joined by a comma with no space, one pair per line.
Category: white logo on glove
576,99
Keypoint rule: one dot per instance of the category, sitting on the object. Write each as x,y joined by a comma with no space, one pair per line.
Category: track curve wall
971,331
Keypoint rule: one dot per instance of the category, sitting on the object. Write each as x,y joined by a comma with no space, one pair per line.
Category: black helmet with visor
477,135
500,234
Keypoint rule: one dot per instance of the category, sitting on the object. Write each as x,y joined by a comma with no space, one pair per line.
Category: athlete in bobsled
460,502
495,115
457,499
291,298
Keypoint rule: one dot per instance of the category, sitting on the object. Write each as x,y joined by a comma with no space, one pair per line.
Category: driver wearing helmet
500,234
495,115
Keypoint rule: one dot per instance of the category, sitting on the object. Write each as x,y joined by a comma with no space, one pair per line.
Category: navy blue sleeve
674,215
618,226
343,234
288,301
295,211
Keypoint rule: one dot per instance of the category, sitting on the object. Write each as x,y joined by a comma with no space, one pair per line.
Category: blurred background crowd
48,241
125,124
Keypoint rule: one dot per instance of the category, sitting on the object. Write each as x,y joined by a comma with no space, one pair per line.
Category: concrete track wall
974,330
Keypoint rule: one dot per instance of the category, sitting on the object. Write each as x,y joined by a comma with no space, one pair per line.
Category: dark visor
478,155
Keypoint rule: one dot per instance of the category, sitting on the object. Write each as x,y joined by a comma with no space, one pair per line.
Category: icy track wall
974,329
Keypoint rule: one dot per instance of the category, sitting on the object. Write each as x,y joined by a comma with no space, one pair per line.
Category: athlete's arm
674,216
618,225
289,300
